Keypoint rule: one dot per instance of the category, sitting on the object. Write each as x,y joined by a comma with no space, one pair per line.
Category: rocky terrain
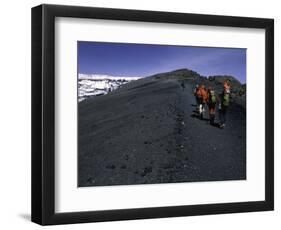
147,131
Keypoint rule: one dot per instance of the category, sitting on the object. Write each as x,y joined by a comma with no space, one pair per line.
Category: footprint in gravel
110,166
146,171
168,166
179,119
147,142
123,167
168,150
91,180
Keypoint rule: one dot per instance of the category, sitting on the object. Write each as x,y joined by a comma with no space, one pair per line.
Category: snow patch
95,84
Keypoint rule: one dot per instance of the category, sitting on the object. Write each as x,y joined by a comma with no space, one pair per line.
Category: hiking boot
222,126
212,119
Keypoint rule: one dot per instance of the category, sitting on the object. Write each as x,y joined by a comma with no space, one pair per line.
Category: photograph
154,113
141,114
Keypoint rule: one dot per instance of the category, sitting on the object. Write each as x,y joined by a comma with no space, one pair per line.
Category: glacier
96,84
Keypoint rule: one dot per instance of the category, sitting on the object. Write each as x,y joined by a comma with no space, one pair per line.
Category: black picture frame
43,114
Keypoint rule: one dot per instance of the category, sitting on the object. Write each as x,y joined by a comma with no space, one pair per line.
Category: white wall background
15,114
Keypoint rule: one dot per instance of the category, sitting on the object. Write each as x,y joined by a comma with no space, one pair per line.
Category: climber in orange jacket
202,97
224,103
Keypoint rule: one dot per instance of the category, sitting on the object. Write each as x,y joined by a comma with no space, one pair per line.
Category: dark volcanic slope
145,132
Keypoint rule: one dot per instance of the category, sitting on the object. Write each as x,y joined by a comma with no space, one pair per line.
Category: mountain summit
180,74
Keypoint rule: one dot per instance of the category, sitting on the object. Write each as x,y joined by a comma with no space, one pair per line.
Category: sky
141,60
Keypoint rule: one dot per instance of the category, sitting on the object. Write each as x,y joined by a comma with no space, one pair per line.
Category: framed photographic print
141,114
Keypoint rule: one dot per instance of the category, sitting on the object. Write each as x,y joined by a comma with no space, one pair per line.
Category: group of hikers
208,97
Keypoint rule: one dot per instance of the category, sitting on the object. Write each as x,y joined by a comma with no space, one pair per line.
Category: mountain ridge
146,132
112,83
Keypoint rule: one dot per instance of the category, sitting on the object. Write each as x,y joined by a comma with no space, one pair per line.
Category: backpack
226,98
199,93
212,97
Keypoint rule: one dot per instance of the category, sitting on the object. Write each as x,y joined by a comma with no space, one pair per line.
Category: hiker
224,103
182,85
226,85
202,98
211,102
196,97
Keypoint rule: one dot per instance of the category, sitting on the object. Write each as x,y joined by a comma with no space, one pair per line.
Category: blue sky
124,59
